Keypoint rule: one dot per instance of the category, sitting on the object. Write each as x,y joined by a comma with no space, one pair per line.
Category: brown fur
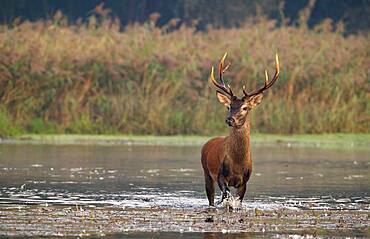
228,162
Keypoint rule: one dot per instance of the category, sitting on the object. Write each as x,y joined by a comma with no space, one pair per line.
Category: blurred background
142,67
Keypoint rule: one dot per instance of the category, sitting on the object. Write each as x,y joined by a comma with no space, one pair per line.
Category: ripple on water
149,197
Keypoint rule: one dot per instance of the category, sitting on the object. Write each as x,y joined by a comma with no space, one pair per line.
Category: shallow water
171,178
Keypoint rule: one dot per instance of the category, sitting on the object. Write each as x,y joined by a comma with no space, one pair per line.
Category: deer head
238,108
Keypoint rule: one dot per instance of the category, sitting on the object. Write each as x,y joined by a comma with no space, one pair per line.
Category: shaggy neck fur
239,142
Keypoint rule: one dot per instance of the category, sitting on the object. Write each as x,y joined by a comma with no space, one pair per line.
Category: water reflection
172,176
215,235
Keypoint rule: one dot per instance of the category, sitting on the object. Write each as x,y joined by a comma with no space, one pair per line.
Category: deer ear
223,98
255,100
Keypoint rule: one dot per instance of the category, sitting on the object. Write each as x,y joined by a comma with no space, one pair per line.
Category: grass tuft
94,78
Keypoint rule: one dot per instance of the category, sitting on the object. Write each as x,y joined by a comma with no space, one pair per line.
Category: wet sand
71,221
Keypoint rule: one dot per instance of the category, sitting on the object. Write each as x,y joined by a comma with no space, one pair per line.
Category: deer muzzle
230,121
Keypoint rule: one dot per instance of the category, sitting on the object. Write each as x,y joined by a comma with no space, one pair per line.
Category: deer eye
245,108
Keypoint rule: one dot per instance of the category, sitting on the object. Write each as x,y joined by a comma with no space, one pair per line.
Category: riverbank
323,140
76,221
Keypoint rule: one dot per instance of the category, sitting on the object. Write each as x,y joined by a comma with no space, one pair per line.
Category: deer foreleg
222,184
241,191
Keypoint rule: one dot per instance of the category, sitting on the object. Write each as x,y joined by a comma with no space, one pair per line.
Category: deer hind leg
210,189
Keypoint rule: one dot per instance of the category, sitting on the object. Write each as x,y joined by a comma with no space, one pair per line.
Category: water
140,180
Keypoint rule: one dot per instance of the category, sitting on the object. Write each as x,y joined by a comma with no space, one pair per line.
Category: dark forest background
218,13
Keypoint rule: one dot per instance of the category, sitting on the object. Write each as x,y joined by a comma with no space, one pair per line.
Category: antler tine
245,91
231,92
222,70
267,84
212,76
266,78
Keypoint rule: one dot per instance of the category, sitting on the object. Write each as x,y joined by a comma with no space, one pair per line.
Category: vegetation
218,13
335,141
7,126
57,77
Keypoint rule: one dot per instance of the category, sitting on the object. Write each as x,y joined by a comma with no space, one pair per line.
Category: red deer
227,160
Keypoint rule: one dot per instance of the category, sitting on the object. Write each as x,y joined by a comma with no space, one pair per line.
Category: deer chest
235,175
235,181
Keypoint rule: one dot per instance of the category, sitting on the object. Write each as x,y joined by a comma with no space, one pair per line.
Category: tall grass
95,78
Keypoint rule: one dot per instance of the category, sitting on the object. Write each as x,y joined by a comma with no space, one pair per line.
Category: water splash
232,203
184,199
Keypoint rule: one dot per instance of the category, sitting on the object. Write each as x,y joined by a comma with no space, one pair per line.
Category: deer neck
238,142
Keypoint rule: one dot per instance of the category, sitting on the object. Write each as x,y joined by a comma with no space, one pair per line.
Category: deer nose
230,121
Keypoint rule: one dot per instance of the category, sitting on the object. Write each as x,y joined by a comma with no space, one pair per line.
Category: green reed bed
97,78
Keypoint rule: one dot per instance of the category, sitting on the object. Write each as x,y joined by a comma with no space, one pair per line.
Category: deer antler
221,70
267,83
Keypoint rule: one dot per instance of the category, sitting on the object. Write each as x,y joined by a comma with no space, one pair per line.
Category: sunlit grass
94,78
